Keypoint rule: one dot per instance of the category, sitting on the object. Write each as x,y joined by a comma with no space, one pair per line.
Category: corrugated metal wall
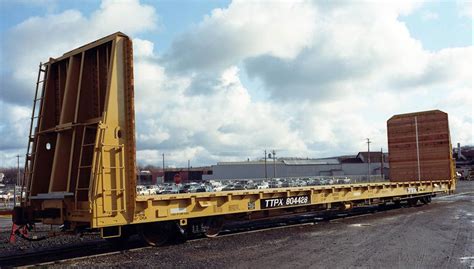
257,170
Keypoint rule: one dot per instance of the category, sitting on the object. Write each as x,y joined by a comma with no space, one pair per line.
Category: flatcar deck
194,205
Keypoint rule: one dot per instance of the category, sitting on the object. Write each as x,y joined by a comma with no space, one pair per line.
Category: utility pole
274,165
188,171
368,159
163,167
16,181
265,158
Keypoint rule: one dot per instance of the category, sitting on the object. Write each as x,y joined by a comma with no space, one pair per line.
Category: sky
225,80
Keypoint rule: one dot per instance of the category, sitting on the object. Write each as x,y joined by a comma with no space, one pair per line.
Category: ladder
34,126
84,184
95,168
119,172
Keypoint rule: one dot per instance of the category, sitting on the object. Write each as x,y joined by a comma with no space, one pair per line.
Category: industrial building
354,165
350,165
153,176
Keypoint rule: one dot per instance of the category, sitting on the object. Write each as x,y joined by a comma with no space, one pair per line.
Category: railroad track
52,255
58,255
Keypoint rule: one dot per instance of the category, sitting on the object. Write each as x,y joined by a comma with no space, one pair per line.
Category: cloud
429,16
36,38
464,8
244,29
142,48
348,51
208,127
358,57
14,120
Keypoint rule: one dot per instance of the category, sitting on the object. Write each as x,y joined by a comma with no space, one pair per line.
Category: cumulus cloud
347,51
464,8
39,37
142,48
429,16
356,65
14,120
55,34
206,127
244,29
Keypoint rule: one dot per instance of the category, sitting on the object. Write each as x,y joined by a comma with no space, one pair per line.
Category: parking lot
251,184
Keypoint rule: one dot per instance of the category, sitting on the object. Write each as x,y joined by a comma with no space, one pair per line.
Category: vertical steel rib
417,148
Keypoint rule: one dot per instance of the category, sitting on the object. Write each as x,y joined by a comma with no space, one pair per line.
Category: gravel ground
23,246
438,235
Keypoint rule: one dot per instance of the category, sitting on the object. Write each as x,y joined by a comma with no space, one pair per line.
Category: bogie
161,233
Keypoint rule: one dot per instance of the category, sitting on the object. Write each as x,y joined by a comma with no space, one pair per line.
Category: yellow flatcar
80,166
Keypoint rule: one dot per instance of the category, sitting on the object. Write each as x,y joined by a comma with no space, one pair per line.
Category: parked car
170,190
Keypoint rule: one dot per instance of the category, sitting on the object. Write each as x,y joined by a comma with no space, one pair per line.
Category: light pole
274,165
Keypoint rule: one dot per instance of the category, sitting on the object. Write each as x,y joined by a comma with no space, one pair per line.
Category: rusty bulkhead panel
419,147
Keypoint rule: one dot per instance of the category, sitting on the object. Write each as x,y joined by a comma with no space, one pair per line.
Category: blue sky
309,78
174,16
446,29
443,29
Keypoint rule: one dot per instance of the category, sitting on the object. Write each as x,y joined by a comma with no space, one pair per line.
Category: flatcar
80,167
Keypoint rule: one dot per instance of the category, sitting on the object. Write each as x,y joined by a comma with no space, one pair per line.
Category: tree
10,175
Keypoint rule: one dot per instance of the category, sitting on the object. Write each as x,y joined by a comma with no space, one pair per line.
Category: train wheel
412,201
423,200
426,199
214,226
397,203
157,233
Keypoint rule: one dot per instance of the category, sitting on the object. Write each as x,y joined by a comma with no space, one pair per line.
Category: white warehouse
292,167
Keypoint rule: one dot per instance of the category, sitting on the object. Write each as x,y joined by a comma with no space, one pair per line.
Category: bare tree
10,174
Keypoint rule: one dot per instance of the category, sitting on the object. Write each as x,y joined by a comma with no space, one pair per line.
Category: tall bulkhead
419,147
83,159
